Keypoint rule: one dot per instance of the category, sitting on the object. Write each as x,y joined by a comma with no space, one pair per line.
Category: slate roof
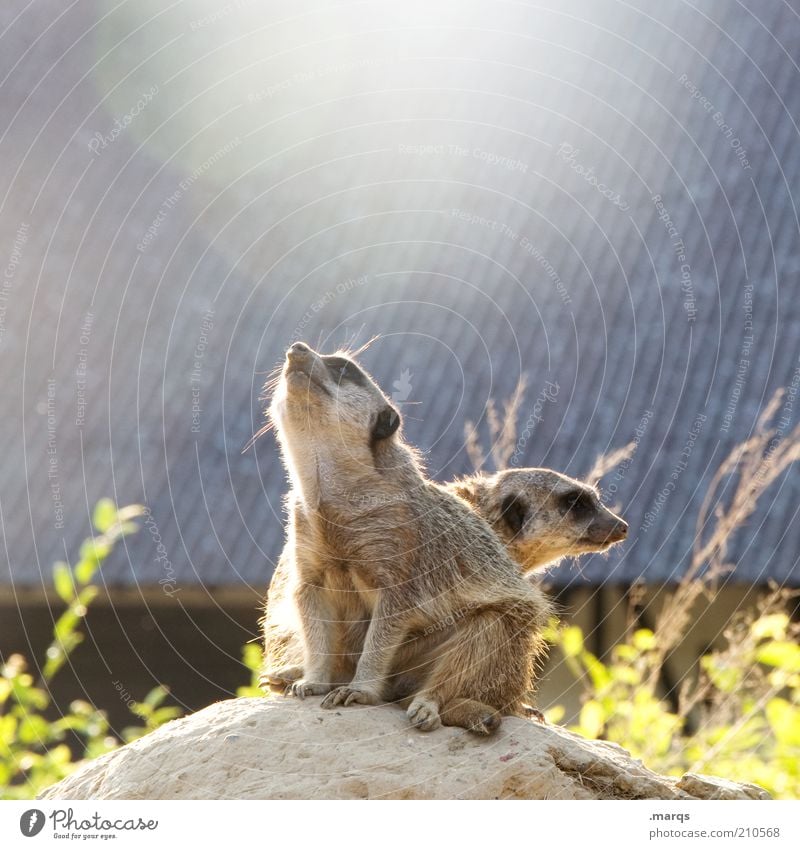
474,182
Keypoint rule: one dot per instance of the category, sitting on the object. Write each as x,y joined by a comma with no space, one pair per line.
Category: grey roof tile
317,191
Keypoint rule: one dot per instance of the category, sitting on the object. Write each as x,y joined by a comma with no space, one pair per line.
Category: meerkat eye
577,502
514,511
343,370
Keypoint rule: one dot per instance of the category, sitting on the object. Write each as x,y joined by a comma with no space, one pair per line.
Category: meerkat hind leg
464,680
472,715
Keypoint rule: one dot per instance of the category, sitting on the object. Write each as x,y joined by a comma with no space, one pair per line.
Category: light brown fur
540,516
376,550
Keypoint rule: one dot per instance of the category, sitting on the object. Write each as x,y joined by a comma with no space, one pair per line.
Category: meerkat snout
606,530
331,391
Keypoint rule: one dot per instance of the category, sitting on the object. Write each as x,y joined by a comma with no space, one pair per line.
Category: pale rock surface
280,748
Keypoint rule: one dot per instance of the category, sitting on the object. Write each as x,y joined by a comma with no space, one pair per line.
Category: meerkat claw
423,714
346,696
301,689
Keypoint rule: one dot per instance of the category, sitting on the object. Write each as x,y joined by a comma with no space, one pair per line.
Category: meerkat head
332,396
541,515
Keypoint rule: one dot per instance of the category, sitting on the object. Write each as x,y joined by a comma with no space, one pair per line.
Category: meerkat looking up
383,558
540,515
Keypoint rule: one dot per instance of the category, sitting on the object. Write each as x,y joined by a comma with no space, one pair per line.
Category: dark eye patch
577,502
342,370
514,511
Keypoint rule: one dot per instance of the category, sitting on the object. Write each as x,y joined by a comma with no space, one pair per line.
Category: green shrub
738,714
253,659
35,751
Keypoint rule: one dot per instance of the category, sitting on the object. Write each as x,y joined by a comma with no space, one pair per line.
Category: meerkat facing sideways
385,559
540,516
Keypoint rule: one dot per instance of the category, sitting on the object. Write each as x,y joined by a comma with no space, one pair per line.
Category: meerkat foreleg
385,633
316,628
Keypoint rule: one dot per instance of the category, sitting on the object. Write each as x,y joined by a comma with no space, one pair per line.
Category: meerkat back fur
380,554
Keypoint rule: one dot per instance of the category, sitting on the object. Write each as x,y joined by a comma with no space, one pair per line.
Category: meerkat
540,515
383,559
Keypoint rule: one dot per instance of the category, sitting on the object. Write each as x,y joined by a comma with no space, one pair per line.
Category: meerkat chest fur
349,529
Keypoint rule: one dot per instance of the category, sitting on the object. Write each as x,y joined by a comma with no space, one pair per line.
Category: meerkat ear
387,423
514,512
465,489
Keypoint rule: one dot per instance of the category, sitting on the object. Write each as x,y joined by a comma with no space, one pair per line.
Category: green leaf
783,654
592,719
157,695
554,715
8,730
785,721
572,641
773,626
252,656
644,640
95,549
34,730
624,652
726,678
85,569
597,670
105,514
62,581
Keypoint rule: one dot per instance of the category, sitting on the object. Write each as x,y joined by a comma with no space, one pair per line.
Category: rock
276,748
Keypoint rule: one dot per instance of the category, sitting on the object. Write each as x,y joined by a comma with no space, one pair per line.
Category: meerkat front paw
351,696
423,714
303,688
